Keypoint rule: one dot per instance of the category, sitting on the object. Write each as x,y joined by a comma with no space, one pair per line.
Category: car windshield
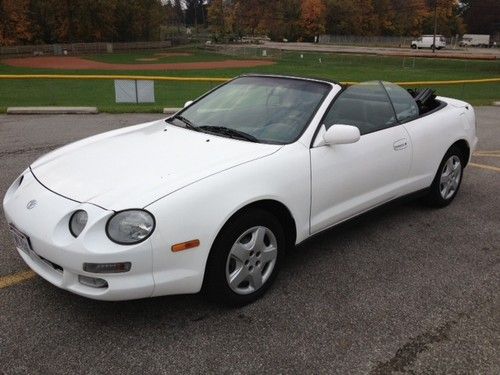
259,109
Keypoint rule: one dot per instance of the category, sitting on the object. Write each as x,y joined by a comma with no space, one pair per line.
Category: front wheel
447,181
414,46
245,258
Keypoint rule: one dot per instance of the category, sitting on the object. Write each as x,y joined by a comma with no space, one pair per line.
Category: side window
364,105
405,106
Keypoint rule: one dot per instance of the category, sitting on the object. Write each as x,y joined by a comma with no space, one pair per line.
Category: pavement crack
408,353
31,149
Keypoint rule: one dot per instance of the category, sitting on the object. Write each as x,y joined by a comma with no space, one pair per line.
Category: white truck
475,40
426,41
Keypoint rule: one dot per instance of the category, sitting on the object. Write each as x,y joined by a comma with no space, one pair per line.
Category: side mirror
341,134
188,103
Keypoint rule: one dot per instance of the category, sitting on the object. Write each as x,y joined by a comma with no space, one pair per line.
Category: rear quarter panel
432,135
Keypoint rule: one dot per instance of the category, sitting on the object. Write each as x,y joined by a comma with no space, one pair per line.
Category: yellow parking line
496,169
16,278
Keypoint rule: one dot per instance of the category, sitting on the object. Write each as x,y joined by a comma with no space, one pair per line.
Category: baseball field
199,62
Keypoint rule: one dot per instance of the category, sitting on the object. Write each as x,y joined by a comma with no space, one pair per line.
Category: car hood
134,166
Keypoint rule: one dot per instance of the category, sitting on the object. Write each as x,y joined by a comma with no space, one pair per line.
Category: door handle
400,144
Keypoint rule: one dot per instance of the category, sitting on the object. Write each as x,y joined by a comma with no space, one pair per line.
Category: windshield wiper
188,124
233,133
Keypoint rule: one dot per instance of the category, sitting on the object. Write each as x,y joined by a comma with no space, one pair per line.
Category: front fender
200,210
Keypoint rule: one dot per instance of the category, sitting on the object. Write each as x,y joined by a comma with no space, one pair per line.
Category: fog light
93,282
107,267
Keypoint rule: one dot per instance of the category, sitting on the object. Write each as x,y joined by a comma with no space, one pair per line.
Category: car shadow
183,310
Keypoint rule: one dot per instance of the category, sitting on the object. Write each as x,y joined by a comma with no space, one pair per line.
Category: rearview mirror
188,103
341,134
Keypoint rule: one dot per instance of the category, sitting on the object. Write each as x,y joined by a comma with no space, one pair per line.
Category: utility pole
435,26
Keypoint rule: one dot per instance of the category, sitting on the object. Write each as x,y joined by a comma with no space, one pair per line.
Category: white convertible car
210,198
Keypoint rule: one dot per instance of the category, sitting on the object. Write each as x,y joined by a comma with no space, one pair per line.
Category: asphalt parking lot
403,289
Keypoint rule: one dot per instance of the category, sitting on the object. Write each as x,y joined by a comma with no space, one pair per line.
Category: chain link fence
82,48
172,93
376,41
90,91
100,93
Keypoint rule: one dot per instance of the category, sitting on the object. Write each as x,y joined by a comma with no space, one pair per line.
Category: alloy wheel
450,177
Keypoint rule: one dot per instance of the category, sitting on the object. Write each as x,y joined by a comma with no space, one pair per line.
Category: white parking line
483,166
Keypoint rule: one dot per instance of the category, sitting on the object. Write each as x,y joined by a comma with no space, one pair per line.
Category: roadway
403,289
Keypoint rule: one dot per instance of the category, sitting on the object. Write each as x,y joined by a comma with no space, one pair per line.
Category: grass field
170,94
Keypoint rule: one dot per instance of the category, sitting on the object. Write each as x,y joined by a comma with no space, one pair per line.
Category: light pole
435,26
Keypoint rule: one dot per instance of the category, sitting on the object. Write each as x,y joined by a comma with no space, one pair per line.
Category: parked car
427,41
212,197
475,40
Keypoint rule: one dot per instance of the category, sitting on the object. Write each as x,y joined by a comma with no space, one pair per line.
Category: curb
51,110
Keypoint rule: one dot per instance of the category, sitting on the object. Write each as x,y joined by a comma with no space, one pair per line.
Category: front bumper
58,257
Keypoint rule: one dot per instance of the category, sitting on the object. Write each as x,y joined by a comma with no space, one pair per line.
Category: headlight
130,226
77,222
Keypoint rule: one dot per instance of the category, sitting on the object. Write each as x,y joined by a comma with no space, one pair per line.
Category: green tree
350,17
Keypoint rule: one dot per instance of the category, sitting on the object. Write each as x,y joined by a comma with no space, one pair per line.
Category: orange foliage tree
313,17
15,26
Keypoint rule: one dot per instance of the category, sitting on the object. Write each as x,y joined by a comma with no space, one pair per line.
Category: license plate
21,241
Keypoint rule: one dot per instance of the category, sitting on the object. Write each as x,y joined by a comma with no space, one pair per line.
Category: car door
347,179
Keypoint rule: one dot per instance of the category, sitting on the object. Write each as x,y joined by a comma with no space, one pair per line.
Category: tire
414,46
445,188
249,249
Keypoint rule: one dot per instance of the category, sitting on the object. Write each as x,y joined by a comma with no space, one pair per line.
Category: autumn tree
217,19
60,21
312,17
255,16
15,26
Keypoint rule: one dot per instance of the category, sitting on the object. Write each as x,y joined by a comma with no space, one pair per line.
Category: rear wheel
448,178
245,258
